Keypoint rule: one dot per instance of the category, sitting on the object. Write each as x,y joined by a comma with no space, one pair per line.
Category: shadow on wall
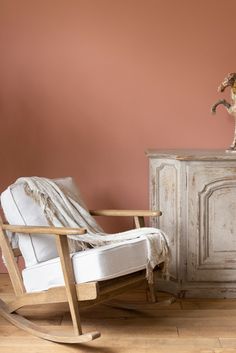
23,136
41,140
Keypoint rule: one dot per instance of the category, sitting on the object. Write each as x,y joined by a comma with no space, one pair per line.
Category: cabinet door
211,225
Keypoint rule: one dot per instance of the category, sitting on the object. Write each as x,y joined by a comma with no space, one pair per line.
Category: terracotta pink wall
87,85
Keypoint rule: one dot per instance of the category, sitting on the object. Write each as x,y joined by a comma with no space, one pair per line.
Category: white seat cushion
98,264
21,209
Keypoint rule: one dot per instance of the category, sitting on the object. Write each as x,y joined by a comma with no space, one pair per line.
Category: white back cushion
21,209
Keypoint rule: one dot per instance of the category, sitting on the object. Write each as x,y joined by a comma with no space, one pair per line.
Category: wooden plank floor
131,325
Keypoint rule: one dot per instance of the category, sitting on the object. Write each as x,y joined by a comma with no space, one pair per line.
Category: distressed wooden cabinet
196,190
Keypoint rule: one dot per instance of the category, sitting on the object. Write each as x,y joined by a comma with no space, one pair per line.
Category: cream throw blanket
63,209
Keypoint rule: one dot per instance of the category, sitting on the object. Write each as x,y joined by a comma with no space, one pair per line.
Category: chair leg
151,293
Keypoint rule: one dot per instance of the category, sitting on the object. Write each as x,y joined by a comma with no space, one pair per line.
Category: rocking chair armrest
126,213
43,230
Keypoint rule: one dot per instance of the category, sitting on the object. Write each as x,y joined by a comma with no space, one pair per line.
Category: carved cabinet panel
211,194
196,191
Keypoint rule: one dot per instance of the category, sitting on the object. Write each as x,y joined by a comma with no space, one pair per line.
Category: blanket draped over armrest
63,209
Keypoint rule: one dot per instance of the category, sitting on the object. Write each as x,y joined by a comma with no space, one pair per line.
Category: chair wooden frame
76,295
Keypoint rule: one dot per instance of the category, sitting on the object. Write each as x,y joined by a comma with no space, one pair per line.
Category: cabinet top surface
187,154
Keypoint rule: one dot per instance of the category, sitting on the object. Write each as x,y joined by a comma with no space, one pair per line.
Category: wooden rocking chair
75,294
